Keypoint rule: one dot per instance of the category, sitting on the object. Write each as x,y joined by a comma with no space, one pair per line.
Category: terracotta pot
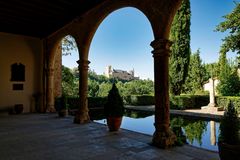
18,108
228,152
114,123
63,113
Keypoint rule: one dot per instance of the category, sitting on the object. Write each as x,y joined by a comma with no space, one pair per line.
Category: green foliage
224,101
195,79
93,88
137,113
230,86
230,126
140,100
212,70
229,80
114,106
104,88
231,24
188,101
194,131
69,82
97,102
138,87
68,45
176,125
180,56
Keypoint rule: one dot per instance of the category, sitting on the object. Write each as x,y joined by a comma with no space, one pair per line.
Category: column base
81,118
164,139
51,109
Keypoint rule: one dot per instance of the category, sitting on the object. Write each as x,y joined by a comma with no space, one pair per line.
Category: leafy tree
93,88
223,66
229,80
230,86
138,87
195,78
69,83
232,24
212,70
104,88
180,56
68,45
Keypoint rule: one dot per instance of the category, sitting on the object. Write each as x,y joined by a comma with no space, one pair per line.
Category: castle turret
108,71
132,72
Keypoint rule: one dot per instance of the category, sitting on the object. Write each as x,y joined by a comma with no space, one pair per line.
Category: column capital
161,47
83,63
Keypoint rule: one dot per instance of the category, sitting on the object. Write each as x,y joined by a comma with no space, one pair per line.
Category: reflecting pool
199,133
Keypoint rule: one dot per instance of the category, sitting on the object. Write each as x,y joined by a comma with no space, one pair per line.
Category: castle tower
108,71
132,72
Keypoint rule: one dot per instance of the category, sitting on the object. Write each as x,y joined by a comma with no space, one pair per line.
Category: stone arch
160,14
54,52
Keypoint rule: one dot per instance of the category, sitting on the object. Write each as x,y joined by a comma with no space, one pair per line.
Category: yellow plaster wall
29,52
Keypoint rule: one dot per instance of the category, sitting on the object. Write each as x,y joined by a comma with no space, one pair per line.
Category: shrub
139,100
230,126
114,106
188,101
224,101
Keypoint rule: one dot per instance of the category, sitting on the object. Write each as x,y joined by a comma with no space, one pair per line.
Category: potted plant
113,109
229,137
61,106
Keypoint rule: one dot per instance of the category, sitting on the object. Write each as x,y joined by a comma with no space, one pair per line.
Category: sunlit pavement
45,136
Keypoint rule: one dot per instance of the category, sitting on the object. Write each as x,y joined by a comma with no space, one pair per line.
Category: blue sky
123,38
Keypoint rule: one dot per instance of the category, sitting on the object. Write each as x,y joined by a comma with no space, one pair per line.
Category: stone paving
47,137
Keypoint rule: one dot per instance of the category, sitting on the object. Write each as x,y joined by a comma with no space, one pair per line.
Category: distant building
120,74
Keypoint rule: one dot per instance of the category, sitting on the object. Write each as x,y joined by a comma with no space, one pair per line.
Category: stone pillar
163,136
82,114
212,93
50,90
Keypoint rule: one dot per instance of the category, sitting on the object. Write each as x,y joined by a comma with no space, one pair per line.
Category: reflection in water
194,130
213,133
199,133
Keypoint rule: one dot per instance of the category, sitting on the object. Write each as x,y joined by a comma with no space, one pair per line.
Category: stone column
163,136
82,114
50,90
212,93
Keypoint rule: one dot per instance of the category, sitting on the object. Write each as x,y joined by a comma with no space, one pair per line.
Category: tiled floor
47,137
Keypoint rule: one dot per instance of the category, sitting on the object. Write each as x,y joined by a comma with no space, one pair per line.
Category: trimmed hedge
223,101
93,102
188,101
138,100
176,102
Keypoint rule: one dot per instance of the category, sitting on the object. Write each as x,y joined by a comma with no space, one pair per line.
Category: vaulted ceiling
40,18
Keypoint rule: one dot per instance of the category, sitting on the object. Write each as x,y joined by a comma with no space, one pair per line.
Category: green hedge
176,102
223,101
138,100
188,101
93,102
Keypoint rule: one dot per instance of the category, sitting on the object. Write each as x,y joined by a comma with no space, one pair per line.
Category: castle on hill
120,74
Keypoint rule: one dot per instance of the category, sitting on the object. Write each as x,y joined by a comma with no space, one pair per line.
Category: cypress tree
195,79
180,56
